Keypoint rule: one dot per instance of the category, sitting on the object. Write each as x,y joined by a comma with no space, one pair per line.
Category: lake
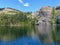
19,36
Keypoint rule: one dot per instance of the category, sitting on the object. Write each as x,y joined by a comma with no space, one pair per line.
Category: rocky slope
46,18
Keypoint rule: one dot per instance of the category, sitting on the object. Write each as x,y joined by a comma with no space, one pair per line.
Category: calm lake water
18,36
25,41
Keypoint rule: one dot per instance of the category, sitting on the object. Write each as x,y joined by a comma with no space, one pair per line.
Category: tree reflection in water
11,33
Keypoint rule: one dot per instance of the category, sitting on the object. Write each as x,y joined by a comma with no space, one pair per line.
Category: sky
28,5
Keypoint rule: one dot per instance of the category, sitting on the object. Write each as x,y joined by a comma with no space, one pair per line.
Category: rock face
58,17
48,24
58,8
35,14
44,27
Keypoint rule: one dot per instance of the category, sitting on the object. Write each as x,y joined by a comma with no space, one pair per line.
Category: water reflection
23,41
10,33
48,33
15,35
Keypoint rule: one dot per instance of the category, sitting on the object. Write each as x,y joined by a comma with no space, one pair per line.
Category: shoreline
10,25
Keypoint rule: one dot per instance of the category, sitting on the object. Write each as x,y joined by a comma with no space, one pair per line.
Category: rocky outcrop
58,8
46,16
44,27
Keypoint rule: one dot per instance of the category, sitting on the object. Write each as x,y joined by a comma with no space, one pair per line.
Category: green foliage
53,21
55,24
14,17
53,16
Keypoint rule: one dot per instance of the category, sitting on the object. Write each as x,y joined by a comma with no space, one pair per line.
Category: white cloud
26,4
20,1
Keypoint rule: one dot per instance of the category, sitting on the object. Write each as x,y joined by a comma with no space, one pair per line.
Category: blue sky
28,5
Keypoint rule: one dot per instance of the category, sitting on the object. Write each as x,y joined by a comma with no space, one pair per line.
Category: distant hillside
10,16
